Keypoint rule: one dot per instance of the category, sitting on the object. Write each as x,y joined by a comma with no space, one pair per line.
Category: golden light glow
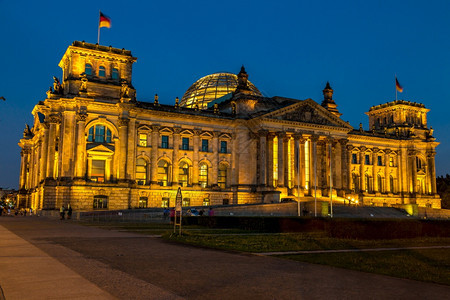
275,161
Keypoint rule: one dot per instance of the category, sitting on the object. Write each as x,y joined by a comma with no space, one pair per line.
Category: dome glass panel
212,87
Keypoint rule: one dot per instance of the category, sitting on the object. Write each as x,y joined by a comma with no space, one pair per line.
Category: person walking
69,213
62,212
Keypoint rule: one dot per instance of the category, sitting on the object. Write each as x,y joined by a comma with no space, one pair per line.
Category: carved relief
123,122
306,114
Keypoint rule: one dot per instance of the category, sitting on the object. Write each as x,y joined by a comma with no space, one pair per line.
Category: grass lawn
432,265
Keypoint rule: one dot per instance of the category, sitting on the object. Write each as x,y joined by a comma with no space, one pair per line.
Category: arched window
391,183
115,73
419,164
380,183
222,176
88,69
183,175
99,134
141,171
203,175
163,173
102,71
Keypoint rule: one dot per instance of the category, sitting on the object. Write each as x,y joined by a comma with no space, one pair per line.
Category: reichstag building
93,145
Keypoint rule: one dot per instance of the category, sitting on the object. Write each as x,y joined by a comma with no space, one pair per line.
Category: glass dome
212,87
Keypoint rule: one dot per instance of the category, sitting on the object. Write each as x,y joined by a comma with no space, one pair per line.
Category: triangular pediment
100,148
307,111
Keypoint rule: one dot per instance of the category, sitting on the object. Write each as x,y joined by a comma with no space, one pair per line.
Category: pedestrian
172,214
166,213
62,212
69,212
211,212
202,212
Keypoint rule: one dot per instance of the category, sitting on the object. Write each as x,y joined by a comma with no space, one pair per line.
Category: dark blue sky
289,48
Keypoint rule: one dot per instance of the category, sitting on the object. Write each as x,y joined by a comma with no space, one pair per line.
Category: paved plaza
44,258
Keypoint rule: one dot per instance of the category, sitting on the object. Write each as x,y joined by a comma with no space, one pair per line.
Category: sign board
178,200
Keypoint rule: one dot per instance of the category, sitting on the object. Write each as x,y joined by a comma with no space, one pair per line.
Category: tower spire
328,101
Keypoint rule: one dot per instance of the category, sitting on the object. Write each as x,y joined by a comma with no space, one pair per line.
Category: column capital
343,142
216,134
363,149
156,127
123,122
281,134
177,130
350,147
54,118
197,132
263,133
431,154
81,117
314,138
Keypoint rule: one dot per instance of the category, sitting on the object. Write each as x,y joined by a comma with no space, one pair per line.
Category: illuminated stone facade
95,146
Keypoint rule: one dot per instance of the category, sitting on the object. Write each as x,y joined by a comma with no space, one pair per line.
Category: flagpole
98,35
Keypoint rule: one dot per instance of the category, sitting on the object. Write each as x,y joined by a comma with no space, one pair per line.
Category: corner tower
328,101
97,71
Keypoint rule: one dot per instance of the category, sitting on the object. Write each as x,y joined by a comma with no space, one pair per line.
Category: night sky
289,48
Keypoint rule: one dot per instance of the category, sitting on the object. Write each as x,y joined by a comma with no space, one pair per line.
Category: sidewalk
29,273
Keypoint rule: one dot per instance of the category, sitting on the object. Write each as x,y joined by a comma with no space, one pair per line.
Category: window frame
86,68
164,141
223,149
104,202
102,71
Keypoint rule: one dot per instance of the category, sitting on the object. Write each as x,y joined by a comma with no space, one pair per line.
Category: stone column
432,171
412,164
349,167
297,154
287,160
122,151
176,155
195,165
375,170
66,147
362,163
386,171
281,163
314,154
270,137
344,178
54,120
215,157
23,168
80,157
154,155
131,149
301,143
262,157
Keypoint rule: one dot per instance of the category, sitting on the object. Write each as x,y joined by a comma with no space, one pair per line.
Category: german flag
398,86
105,21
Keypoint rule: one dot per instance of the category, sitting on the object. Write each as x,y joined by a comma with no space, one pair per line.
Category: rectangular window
186,202
225,201
165,202
143,139
223,147
100,202
165,141
185,143
143,202
391,161
380,160
206,202
367,159
98,170
205,145
354,158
